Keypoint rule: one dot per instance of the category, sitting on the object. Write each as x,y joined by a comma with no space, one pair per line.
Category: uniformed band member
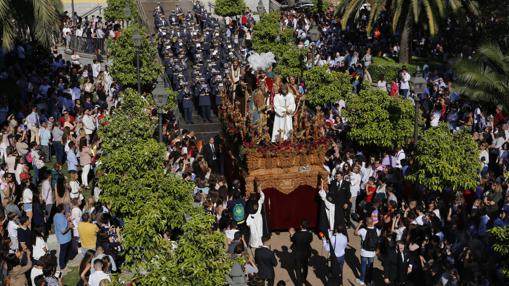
200,60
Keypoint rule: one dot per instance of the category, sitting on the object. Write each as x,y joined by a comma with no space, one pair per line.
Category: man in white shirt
404,87
338,241
47,195
33,122
355,185
400,155
369,242
99,33
79,32
96,68
66,30
36,270
98,275
88,123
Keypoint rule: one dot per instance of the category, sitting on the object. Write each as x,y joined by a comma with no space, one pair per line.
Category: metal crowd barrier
89,46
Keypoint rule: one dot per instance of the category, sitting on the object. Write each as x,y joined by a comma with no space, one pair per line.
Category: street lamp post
127,13
260,8
160,98
418,87
314,36
137,45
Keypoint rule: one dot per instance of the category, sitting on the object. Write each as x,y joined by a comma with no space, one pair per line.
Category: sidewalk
53,245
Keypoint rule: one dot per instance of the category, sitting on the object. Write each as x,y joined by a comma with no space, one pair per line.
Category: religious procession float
273,139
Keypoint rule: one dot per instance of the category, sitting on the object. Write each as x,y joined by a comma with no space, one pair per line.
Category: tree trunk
406,41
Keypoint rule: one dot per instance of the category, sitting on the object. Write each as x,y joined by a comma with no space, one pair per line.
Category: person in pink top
85,161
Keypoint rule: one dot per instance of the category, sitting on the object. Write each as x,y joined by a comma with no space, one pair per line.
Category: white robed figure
330,208
284,106
255,224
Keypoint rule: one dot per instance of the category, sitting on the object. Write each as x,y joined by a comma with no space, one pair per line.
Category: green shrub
387,67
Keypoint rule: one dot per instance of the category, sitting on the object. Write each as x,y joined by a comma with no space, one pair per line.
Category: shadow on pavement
319,264
286,261
352,261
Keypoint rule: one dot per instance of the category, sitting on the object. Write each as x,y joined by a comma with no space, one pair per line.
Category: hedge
387,67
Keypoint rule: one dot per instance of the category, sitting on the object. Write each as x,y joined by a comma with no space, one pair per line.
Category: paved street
280,243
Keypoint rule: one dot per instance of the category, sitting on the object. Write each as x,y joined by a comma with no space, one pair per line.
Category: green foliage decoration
115,10
501,247
380,120
229,7
445,159
325,86
124,52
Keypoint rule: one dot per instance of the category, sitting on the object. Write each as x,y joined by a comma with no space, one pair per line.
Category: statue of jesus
284,107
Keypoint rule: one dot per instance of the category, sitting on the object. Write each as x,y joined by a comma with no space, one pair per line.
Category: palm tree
404,14
486,76
38,19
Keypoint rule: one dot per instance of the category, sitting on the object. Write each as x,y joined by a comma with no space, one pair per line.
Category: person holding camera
17,270
52,276
336,245
63,230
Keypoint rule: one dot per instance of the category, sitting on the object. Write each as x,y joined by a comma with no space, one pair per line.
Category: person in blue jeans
338,241
63,227
369,242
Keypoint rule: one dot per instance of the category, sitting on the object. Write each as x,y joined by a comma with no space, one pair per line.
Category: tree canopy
378,119
123,68
115,10
486,76
445,159
229,7
269,37
501,247
325,86
40,17
403,14
155,205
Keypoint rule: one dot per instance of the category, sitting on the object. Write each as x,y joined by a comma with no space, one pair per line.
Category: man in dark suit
265,261
390,264
301,251
211,154
339,191
397,264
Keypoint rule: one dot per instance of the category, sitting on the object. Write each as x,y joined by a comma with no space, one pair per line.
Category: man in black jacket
265,261
210,153
339,190
397,264
301,251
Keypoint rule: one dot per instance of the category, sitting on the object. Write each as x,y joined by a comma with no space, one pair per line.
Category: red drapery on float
288,210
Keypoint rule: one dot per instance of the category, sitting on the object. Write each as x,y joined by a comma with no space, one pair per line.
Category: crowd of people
420,237
49,150
88,35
